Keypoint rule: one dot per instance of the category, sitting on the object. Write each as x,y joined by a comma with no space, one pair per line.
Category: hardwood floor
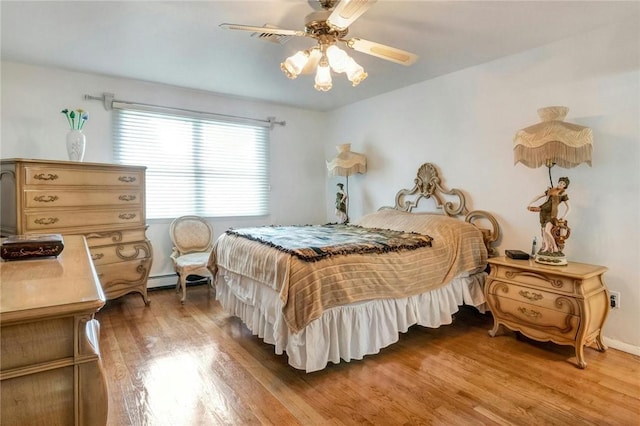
192,364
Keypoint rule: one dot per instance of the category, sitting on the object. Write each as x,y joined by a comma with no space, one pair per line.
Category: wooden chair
192,238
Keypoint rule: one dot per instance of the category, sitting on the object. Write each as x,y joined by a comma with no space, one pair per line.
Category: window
196,166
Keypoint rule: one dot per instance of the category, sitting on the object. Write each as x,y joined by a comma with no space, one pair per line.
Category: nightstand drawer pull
530,313
127,216
531,296
46,221
127,197
45,198
127,179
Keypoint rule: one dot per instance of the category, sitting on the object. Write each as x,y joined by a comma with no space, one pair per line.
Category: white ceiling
179,42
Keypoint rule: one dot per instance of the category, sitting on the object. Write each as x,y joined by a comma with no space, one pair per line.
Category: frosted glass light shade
337,58
323,77
355,73
293,65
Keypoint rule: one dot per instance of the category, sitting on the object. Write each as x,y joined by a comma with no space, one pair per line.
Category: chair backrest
191,234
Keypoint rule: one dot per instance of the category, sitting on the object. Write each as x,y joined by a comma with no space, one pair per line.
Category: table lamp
553,142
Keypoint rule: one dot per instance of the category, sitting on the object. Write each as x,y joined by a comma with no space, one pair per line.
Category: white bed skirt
347,332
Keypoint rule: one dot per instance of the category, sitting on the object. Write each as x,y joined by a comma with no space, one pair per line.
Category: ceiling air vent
273,38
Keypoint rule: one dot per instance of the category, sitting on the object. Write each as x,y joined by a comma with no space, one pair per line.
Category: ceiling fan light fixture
337,58
293,65
328,27
355,73
323,81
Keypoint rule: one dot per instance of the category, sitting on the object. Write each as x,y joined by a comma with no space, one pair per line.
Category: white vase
76,141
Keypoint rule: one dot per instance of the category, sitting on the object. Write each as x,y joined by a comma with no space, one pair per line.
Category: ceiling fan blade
389,53
348,11
264,30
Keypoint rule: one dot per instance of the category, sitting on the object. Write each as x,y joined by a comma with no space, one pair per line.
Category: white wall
33,127
464,123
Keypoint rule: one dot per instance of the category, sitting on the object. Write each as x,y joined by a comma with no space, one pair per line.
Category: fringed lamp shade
553,141
347,163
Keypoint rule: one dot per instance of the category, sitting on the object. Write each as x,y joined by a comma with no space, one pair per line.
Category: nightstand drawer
71,176
540,279
534,296
533,317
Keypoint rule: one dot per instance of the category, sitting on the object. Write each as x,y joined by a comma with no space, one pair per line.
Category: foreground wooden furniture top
50,366
103,202
567,304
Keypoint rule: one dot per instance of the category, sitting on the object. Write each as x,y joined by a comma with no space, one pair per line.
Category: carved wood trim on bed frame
427,185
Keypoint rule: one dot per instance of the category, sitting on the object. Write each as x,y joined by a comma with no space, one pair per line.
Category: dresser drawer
123,274
70,176
81,198
534,296
48,340
542,320
542,280
103,255
95,239
56,220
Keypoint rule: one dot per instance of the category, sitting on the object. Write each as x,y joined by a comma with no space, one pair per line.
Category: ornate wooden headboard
427,186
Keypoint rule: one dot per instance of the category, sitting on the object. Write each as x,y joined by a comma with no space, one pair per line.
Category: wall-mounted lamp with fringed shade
553,142
346,163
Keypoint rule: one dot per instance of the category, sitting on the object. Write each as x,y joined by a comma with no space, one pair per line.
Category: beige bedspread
308,288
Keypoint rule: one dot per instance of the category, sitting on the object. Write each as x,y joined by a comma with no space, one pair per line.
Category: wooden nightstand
564,304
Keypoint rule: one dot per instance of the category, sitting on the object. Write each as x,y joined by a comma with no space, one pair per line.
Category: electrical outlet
614,299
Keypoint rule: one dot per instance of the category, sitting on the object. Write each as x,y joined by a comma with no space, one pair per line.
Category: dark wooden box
20,247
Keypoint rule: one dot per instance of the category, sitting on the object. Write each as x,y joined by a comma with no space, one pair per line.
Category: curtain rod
108,101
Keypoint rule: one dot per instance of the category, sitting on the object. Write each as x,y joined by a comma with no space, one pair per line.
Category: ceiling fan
329,26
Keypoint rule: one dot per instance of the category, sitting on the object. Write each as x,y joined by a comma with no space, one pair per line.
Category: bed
338,292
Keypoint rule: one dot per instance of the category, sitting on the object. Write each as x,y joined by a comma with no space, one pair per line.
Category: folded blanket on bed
312,243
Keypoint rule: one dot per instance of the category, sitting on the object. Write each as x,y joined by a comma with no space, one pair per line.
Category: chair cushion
192,260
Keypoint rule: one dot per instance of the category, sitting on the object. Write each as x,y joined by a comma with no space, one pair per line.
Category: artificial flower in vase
76,140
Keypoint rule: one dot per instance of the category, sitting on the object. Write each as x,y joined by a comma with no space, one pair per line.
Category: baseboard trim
162,281
621,346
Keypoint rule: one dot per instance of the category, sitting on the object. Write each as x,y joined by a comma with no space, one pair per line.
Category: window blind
195,166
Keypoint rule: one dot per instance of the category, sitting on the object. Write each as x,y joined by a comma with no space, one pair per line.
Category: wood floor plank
193,364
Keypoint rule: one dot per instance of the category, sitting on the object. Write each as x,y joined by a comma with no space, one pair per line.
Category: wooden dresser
567,304
103,202
50,367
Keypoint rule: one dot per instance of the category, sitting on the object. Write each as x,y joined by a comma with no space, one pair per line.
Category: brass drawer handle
127,179
46,221
45,198
127,216
97,256
531,296
127,197
530,313
48,176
